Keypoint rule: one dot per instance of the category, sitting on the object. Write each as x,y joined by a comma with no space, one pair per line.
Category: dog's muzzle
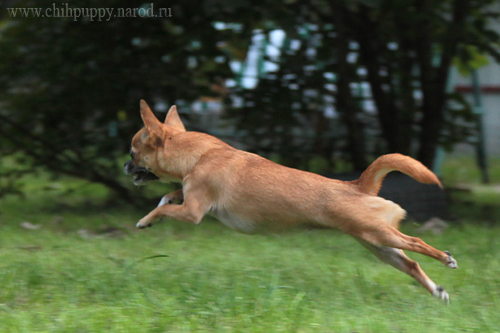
141,174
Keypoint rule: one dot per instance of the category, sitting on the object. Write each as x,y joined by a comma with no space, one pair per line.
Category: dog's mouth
141,174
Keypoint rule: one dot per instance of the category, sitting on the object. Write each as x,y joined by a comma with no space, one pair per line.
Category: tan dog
251,194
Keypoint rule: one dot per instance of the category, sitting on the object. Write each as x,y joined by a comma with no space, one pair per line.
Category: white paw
143,224
441,294
164,201
452,263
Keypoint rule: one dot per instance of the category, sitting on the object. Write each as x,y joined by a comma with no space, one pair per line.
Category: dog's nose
129,167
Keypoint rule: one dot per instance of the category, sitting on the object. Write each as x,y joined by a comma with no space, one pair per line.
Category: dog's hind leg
397,259
382,235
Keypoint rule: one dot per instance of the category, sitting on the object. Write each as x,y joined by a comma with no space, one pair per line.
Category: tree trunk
395,123
434,79
346,105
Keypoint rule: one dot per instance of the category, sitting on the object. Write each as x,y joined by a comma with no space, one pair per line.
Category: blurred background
320,85
325,86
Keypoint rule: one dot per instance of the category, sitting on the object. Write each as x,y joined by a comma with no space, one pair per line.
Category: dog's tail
371,179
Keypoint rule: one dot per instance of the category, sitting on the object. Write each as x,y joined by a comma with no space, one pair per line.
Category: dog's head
148,144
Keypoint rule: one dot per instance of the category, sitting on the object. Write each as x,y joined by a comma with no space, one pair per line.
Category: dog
251,194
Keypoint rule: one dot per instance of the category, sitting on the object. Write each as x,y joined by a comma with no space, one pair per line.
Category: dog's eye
132,154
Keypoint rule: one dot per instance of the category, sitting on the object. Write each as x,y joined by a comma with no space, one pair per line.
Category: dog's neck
198,144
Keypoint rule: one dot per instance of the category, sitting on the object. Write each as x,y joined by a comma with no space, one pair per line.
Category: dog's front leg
177,212
170,198
196,204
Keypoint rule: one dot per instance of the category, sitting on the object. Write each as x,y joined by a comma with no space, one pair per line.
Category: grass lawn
87,269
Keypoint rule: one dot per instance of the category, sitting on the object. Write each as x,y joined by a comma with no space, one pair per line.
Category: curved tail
371,179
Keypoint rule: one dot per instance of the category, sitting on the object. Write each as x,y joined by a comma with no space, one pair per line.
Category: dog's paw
143,223
165,200
441,294
451,262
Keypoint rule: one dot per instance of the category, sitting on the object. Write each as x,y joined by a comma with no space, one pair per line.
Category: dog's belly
260,225
236,222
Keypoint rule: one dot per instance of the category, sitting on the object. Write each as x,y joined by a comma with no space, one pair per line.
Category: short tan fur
251,194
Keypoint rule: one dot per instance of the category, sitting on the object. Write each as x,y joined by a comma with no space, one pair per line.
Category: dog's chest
234,221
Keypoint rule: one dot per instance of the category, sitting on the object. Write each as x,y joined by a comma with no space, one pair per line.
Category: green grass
177,277
463,169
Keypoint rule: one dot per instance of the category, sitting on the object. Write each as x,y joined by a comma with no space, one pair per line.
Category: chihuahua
251,194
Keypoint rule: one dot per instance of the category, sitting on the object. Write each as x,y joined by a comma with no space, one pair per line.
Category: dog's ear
174,120
153,125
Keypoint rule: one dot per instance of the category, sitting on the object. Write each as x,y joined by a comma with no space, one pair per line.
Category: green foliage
469,58
69,88
401,50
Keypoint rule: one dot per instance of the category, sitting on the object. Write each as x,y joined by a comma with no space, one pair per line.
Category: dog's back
251,194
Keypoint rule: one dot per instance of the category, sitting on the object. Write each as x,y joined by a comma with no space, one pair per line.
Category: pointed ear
174,120
152,124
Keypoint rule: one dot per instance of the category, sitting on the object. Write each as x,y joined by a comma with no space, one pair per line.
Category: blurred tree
286,113
402,50
70,89
407,48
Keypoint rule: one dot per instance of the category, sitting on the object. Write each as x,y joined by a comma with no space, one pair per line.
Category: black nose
129,167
